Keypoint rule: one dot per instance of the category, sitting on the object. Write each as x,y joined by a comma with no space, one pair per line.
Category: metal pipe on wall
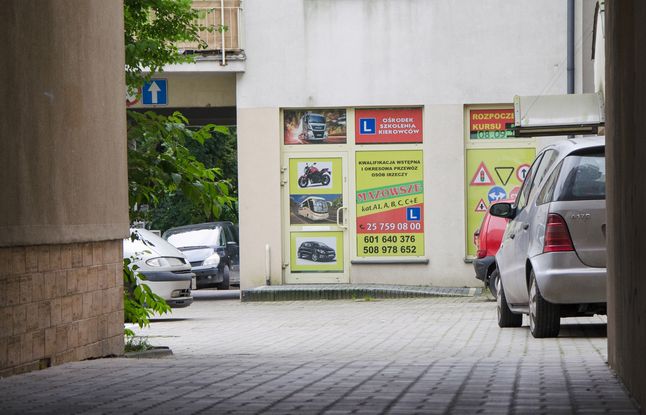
267,265
224,59
570,46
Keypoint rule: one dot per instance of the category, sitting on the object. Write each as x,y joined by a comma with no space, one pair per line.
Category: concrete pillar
626,194
63,178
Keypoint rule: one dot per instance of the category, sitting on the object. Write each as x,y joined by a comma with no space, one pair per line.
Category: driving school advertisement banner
492,174
390,203
488,124
396,125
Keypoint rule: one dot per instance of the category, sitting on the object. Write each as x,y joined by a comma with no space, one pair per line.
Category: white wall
439,54
198,89
384,52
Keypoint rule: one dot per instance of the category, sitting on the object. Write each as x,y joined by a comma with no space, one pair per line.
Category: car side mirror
503,210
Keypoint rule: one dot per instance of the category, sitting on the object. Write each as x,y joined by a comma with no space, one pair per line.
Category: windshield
147,244
195,237
315,118
320,206
322,245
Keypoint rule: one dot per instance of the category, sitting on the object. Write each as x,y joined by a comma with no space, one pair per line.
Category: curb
349,292
154,353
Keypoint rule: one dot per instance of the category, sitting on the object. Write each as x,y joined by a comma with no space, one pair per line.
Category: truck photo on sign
390,203
314,126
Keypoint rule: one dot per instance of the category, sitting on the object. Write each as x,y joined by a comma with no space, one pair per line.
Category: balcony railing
224,17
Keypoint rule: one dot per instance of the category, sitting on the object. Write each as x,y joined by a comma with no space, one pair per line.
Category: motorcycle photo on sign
315,174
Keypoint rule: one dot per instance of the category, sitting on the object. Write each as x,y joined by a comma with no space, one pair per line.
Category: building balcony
223,37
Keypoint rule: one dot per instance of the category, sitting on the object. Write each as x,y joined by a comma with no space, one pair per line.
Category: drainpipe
570,46
224,59
267,265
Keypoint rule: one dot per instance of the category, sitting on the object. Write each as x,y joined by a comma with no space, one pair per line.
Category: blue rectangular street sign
155,92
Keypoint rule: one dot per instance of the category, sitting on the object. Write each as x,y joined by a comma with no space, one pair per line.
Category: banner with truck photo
314,126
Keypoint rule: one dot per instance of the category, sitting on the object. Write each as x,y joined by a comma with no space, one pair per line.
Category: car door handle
525,226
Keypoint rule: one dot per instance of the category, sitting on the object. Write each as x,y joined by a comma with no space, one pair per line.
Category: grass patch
137,344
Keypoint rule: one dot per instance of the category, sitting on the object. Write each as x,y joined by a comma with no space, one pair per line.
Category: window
583,177
523,195
536,175
547,192
221,240
320,206
548,159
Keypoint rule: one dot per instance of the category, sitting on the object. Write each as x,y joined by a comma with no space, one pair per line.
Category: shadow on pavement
584,330
167,319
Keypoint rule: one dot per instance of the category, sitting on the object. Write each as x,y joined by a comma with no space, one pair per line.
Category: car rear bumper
563,279
481,266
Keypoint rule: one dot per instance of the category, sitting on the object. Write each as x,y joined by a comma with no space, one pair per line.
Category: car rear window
583,177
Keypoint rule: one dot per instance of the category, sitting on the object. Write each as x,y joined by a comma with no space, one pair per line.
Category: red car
487,239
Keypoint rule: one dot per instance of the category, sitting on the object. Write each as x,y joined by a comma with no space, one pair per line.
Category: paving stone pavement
400,356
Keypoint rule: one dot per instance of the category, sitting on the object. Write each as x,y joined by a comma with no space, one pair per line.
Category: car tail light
557,235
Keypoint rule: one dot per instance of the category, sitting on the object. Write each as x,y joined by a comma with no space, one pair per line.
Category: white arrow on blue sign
155,92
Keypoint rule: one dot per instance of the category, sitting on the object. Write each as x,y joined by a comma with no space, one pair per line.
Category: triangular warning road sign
504,174
482,176
481,206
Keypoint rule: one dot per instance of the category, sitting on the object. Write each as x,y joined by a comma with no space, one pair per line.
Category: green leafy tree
152,30
160,165
176,209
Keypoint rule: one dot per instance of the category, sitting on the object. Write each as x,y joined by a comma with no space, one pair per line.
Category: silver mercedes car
552,260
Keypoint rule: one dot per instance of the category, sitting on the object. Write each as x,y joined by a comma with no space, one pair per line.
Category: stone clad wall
625,155
60,303
63,172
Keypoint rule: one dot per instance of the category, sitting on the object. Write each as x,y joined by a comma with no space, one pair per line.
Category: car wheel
226,275
493,283
544,317
315,257
505,316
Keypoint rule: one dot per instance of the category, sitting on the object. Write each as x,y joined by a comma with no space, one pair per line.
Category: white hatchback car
166,270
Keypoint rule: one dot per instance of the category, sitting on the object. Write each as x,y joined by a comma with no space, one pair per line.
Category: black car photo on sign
316,251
